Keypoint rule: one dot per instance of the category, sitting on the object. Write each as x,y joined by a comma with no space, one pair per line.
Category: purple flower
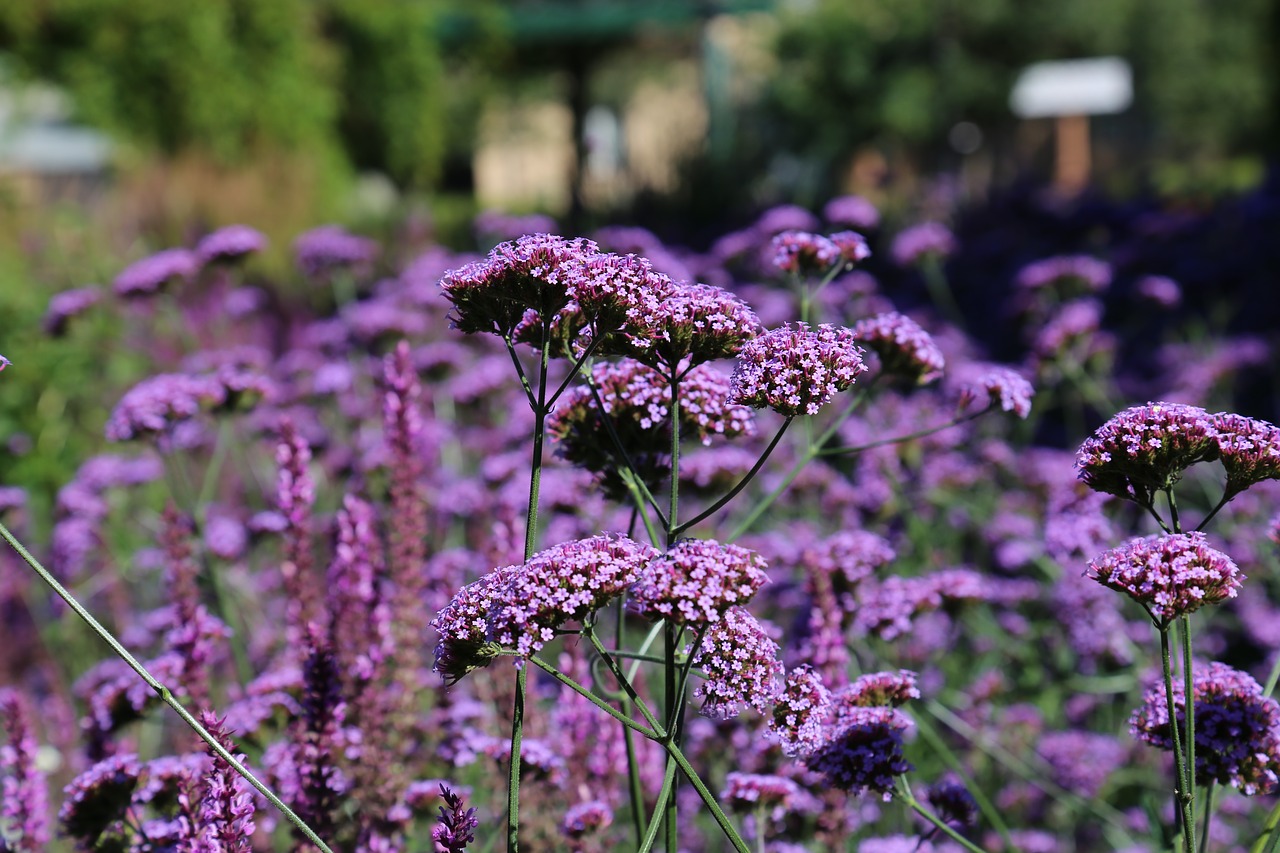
926,240
1159,290
456,827
1249,450
773,796
741,664
696,581
853,211
226,809
463,626
147,276
1071,275
1082,761
67,304
864,752
99,797
850,557
691,323
230,244
24,801
997,385
496,225
155,406
785,217
800,252
953,803
4,362
1237,728
1145,449
853,246
799,713
796,370
563,584
585,819
877,689
295,495
1074,326
330,248
1170,576
905,349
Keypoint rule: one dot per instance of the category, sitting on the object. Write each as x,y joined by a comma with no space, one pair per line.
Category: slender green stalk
591,697
741,484
904,791
721,819
1274,676
1181,788
1209,791
1223,501
634,789
625,683
1268,840
674,700
985,806
1188,682
162,691
762,815
657,820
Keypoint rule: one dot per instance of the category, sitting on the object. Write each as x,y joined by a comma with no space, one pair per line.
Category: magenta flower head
330,248
65,305
532,273
878,689
1145,449
1159,290
741,663
585,819
800,252
853,246
796,370
852,211
230,244
1170,576
995,385
928,240
1249,450
863,752
798,716
777,796
155,405
905,349
147,276
691,324
562,584
463,626
696,581
1237,727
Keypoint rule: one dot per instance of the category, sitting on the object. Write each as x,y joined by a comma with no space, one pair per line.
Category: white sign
1073,87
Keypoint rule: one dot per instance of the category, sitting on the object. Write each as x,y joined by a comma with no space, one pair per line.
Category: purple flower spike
147,276
24,802
799,713
1249,450
456,828
230,244
905,349
1170,576
583,819
1237,728
67,304
696,581
1145,449
742,666
226,809
795,370
920,242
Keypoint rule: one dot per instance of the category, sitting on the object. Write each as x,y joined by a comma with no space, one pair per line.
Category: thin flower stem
1208,814
742,484
1181,785
634,485
573,371
846,451
659,809
1188,683
904,791
1268,840
1272,678
672,526
635,790
935,281
630,467
672,704
761,817
1226,498
592,697
708,799
810,452
623,682
1150,507
985,806
163,692
625,655
673,697
524,378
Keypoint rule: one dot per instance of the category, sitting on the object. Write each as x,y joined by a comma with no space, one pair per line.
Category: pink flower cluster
741,663
796,370
1170,576
696,581
905,349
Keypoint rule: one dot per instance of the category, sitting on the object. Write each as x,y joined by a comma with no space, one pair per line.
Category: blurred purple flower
330,248
154,406
1082,761
800,252
99,797
853,211
231,243
926,240
995,384
905,349
24,799
147,276
585,819
456,827
1072,275
1159,290
496,226
67,304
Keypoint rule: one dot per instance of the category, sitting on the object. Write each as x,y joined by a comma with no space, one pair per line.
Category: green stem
1269,839
1188,682
634,789
904,791
594,699
742,484
635,485
985,806
1226,498
717,813
673,697
940,291
927,431
659,809
1208,814
625,683
1181,786
162,691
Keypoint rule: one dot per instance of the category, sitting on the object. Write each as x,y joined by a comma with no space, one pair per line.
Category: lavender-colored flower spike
295,494
1249,450
741,663
147,276
186,637
1145,449
456,828
796,370
1237,728
905,349
67,304
229,244
1170,576
696,581
226,809
24,804
800,712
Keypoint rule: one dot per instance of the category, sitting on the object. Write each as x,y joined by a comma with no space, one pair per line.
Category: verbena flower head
463,626
921,242
953,803
998,385
1145,449
853,246
1249,450
1159,290
798,716
853,211
585,819
562,584
67,304
796,370
149,275
691,324
231,243
1237,727
696,581
905,349
876,690
800,252
534,272
741,663
775,796
330,248
155,405
99,797
864,752
1069,275
1171,575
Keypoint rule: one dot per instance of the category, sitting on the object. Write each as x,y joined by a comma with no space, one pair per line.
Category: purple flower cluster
996,384
1249,450
864,752
696,581
584,819
905,349
796,370
330,248
876,689
1145,449
230,244
98,797
693,323
456,827
1170,576
66,305
1072,274
24,804
1237,728
156,405
800,252
920,242
799,712
227,807
774,796
741,663
1159,290
852,211
1082,761
147,276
